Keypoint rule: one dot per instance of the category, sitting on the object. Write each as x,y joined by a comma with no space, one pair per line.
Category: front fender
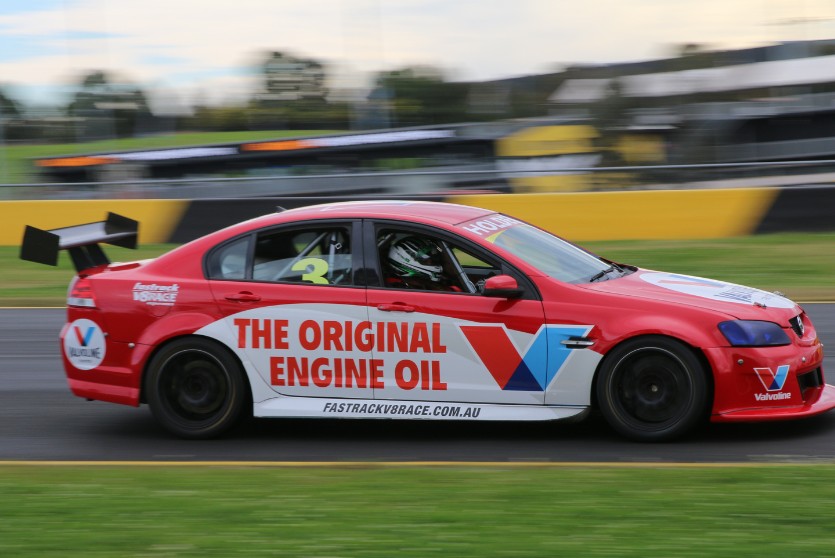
616,319
701,334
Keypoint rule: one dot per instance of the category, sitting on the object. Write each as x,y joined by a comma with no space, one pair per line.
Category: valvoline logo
530,370
83,338
84,344
773,381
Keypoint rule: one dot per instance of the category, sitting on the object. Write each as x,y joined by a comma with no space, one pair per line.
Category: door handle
243,296
396,307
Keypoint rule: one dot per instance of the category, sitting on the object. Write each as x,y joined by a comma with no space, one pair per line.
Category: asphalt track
41,421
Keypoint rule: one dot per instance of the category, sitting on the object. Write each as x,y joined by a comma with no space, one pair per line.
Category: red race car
420,310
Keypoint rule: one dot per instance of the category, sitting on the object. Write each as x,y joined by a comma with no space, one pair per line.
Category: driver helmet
416,257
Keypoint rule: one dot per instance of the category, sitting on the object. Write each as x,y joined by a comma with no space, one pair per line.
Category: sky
183,51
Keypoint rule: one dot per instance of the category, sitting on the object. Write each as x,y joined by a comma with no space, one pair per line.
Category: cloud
216,44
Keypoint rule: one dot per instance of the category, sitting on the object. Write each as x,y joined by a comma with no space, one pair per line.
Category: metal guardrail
484,178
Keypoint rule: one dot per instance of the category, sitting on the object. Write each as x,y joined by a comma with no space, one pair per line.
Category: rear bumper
111,393
116,379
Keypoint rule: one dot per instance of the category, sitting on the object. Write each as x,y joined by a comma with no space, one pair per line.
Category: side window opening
419,261
229,262
320,256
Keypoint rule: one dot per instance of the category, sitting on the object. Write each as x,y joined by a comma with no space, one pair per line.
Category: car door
447,341
292,300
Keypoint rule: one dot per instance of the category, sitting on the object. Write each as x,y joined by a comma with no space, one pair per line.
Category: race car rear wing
82,241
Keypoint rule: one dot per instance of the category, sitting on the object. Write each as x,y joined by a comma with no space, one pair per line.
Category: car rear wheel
652,389
195,388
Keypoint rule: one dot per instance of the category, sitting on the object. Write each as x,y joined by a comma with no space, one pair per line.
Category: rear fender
179,325
174,325
160,332
247,373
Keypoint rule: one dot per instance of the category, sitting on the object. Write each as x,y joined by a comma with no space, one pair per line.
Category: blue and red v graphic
773,381
531,370
84,339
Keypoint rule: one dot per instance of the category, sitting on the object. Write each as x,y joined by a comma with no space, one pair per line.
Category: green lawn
16,166
799,265
24,283
389,511
402,512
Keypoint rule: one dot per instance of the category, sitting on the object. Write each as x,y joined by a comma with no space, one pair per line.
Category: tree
8,107
107,108
420,95
12,123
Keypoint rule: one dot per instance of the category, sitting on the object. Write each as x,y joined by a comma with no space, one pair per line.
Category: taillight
80,293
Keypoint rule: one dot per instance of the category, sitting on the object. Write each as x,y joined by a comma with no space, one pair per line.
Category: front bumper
769,383
823,400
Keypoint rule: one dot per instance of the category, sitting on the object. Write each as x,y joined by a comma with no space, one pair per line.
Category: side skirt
316,407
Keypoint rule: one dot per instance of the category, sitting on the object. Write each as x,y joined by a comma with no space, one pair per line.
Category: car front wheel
653,389
195,388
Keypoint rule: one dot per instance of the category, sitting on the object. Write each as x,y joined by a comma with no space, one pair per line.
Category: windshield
551,255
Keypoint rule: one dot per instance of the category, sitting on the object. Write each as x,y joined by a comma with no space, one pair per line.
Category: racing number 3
316,270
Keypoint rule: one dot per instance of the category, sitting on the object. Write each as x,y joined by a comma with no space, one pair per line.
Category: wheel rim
195,386
651,388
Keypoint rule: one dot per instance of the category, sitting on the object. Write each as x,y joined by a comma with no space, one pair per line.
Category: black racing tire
653,389
195,388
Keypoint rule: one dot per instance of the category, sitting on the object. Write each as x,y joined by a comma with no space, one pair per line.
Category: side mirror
502,286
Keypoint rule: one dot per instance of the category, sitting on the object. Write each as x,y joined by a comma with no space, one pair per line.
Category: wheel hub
199,390
198,387
652,389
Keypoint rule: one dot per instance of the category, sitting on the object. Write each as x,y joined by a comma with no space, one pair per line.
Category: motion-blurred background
669,134
161,100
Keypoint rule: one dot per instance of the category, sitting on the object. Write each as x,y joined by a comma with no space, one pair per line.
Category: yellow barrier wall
667,214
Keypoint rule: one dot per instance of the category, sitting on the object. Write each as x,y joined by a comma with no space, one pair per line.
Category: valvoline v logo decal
527,370
84,338
84,344
773,381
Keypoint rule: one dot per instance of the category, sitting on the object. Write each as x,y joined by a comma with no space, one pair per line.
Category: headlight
751,333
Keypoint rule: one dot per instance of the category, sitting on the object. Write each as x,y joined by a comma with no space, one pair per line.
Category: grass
383,511
377,511
24,283
800,265
19,169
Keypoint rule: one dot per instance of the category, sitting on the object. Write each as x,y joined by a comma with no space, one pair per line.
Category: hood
738,301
